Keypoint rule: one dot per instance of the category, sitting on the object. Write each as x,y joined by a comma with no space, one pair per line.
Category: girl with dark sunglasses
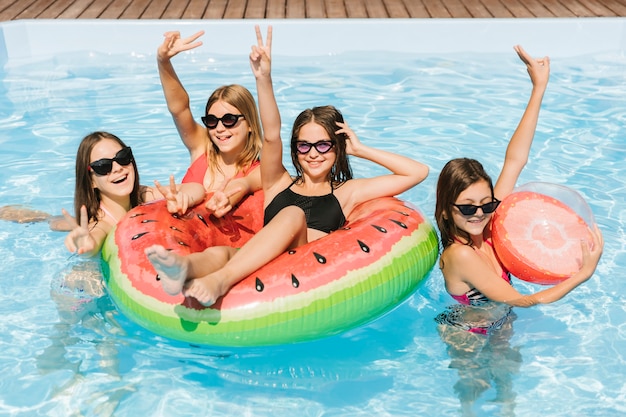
298,209
466,200
227,144
107,187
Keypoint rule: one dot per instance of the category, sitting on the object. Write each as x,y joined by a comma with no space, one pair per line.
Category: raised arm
193,134
405,172
271,154
519,146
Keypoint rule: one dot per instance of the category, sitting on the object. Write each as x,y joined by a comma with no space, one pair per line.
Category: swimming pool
431,89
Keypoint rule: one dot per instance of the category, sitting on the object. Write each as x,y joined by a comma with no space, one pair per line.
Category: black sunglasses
322,146
104,166
470,209
228,120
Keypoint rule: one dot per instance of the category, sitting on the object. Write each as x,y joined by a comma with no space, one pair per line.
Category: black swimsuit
322,212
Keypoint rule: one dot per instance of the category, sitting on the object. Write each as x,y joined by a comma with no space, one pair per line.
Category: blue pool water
65,350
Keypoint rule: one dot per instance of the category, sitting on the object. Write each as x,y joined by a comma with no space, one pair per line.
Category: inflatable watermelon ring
537,230
326,287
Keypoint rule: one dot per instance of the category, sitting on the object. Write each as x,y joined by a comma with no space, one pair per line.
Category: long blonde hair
239,97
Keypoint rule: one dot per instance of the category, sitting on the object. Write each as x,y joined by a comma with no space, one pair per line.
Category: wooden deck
293,9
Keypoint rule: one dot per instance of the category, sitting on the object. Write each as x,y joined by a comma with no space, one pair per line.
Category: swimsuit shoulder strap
108,213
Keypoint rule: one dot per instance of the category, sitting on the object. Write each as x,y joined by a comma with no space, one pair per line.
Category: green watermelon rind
353,300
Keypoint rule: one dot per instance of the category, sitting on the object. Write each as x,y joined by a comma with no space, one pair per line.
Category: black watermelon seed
402,225
259,285
138,235
379,228
294,281
364,247
321,259
202,220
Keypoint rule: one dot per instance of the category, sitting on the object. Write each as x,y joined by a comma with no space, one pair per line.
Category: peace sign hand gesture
79,239
261,55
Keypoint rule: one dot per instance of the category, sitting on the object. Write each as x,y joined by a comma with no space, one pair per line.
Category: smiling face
119,183
476,194
315,164
228,140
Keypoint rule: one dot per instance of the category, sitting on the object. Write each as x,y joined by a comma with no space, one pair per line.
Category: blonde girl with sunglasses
224,148
298,209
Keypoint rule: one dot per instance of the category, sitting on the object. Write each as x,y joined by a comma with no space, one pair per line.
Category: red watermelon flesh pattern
151,224
295,272
317,263
541,232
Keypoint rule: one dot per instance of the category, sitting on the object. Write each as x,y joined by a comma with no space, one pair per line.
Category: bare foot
171,267
206,289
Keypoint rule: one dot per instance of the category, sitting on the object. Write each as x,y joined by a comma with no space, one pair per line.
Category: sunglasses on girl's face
322,146
104,166
228,120
470,209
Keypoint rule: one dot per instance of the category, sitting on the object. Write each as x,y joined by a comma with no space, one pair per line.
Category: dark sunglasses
104,166
322,146
228,120
470,209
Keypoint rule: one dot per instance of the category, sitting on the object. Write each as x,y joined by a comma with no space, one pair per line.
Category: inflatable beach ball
537,232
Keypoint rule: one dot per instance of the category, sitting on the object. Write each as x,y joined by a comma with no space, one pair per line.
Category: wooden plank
235,9
516,8
216,9
174,10
114,10
335,9
457,9
436,9
255,9
476,9
355,9
146,9
396,9
557,9
9,9
195,9
605,8
416,9
34,9
75,10
276,9
296,9
315,9
54,9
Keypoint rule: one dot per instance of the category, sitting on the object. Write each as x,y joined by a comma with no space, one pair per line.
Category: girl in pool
228,145
466,200
107,187
298,209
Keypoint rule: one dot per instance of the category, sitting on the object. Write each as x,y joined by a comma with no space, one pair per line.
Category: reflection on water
65,350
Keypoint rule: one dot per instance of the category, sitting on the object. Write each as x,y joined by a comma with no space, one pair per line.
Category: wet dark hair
455,177
327,117
84,192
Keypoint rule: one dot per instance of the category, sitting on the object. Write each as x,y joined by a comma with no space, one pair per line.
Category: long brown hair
239,97
455,177
327,117
84,192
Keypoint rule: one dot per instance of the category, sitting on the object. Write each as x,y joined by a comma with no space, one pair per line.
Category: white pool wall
560,37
